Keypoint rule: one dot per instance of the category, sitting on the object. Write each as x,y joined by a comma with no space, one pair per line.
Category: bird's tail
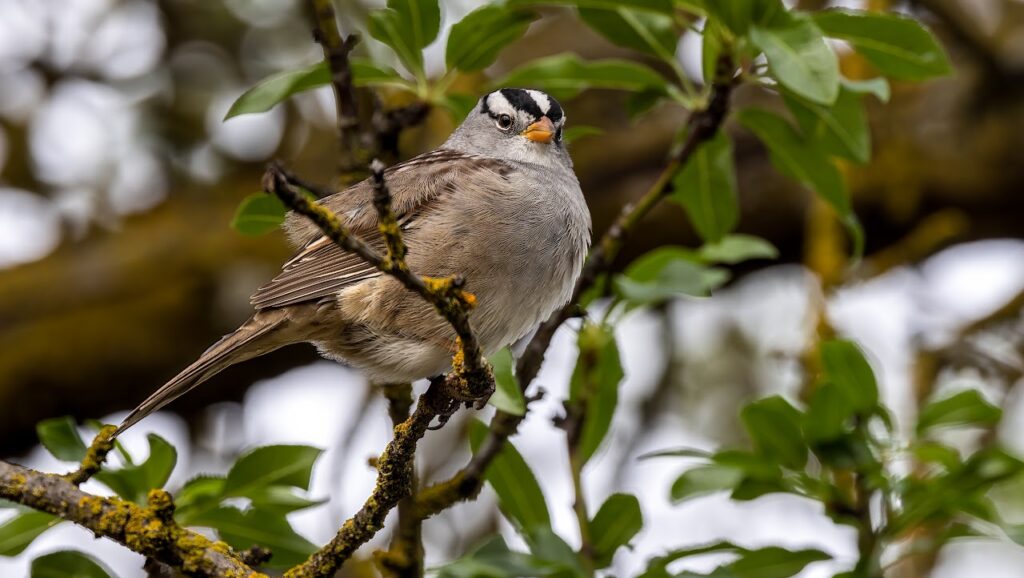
255,337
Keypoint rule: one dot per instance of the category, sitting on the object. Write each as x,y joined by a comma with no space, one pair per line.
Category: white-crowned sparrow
497,203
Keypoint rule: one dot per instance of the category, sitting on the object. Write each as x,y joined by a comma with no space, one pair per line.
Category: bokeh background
118,180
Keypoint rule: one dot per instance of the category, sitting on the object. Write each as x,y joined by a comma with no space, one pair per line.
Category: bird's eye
504,122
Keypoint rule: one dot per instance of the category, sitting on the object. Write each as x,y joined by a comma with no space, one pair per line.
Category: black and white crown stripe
533,102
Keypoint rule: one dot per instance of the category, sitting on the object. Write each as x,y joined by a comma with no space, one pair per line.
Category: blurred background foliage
119,179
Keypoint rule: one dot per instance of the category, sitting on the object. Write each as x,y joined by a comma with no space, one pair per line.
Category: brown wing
321,268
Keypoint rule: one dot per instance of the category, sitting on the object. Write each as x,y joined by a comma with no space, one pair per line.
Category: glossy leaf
280,500
198,495
898,46
703,480
774,427
519,494
550,547
507,395
649,32
840,129
566,75
799,58
280,465
732,249
658,567
18,532
67,564
706,187
596,376
616,523
964,408
242,530
828,414
802,160
60,437
493,559
774,562
739,15
845,365
407,26
475,41
666,273
656,6
258,214
133,482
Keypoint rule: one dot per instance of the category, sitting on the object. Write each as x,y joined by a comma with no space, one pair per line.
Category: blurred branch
150,531
336,51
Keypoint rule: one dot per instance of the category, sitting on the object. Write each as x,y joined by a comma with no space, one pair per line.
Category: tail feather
250,340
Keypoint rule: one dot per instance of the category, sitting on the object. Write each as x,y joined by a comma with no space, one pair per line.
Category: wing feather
321,268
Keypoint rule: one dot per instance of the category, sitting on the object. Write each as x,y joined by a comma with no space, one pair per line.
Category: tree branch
336,51
404,557
150,531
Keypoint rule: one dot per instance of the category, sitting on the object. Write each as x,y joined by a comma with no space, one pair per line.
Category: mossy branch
150,531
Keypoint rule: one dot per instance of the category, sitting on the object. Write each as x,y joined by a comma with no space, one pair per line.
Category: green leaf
614,525
898,46
964,408
574,133
684,452
550,547
276,88
799,58
656,6
475,41
840,129
596,377
845,365
280,500
67,564
259,214
493,559
658,567
60,437
566,75
18,532
773,562
774,427
703,480
281,465
649,32
828,414
666,273
519,494
733,249
507,395
712,44
802,160
739,15
706,187
407,26
197,496
242,530
879,87
133,482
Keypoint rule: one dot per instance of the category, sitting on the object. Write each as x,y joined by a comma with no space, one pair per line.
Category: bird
498,203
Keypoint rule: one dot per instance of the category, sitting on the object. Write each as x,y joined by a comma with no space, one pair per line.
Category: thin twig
404,557
94,456
336,51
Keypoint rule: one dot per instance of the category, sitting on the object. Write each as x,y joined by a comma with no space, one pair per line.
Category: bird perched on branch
498,203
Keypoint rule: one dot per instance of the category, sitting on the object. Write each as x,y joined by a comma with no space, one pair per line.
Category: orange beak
541,131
